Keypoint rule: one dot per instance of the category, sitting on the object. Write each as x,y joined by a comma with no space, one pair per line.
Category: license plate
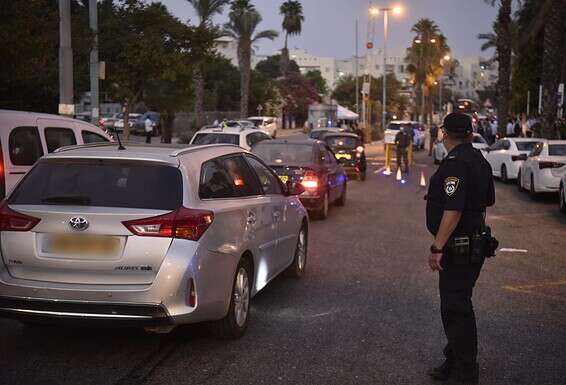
343,156
284,178
83,245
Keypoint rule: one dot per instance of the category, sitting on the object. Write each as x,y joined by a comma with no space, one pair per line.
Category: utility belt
471,249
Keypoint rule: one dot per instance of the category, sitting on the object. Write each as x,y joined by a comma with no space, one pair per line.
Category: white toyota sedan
439,150
544,168
245,138
507,155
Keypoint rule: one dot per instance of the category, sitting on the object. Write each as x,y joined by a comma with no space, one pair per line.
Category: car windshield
257,122
341,141
318,134
398,126
102,183
211,138
284,153
525,146
557,149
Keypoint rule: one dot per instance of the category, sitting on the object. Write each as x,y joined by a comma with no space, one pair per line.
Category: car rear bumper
164,301
312,203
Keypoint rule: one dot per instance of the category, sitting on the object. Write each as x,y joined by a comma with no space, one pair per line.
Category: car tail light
182,223
191,293
11,220
543,165
360,149
310,180
515,158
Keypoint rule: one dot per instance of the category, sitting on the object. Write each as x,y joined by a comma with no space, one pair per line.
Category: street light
442,61
433,41
397,10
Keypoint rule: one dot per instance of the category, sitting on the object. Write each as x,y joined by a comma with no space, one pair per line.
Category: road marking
379,170
510,250
530,289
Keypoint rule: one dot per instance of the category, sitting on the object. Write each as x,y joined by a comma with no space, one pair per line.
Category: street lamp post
374,11
442,61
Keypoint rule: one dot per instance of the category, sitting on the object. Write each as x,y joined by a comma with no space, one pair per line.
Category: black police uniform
462,183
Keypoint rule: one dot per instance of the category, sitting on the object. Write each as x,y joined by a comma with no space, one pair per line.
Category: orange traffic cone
399,173
423,180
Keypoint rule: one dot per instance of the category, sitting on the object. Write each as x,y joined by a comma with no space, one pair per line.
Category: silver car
152,236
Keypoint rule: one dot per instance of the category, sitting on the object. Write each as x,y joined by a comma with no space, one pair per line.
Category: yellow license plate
284,178
84,245
344,156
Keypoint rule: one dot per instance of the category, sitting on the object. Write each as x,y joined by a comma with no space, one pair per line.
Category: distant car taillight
310,180
11,220
543,165
182,223
515,158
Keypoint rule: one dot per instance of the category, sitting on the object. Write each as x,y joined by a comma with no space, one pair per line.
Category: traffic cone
423,180
399,173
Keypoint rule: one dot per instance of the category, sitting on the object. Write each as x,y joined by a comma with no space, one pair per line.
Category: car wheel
504,177
236,321
297,268
532,190
323,212
342,201
562,198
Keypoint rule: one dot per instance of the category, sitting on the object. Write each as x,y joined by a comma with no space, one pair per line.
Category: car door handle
251,218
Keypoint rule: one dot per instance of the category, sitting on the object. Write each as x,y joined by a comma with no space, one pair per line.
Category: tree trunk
126,116
167,130
552,58
284,61
504,55
198,80
244,59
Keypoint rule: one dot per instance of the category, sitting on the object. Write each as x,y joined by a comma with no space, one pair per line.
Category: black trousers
402,158
456,286
148,135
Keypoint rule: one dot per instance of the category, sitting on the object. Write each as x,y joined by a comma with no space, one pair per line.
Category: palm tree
504,41
205,10
243,22
292,12
424,58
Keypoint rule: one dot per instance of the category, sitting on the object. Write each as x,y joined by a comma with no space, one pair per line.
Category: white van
265,123
27,136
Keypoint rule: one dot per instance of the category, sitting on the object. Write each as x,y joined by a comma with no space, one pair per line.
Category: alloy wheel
301,250
241,297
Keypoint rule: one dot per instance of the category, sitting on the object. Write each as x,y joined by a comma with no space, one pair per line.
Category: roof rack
198,148
89,145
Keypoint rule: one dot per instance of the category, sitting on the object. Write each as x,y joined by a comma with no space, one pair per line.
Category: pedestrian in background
433,131
458,195
148,129
402,142
493,131
510,129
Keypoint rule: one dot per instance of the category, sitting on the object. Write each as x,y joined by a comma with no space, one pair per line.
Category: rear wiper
67,199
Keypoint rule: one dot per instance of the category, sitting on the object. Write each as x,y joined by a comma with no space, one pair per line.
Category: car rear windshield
101,183
285,153
397,126
202,139
557,149
318,134
525,146
341,141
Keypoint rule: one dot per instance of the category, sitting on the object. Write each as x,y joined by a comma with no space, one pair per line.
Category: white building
473,74
228,47
308,62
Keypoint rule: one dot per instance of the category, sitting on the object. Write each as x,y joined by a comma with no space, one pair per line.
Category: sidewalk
289,132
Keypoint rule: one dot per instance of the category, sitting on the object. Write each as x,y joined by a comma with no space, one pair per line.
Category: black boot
441,373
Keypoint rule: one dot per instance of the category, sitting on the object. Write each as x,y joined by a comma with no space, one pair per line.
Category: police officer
458,195
402,142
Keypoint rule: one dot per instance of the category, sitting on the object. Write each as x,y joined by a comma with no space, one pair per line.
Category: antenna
120,147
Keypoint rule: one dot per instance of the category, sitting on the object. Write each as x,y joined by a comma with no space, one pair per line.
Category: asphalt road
367,311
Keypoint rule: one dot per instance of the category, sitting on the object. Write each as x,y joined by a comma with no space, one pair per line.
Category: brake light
11,220
515,158
310,180
543,165
360,149
191,293
182,223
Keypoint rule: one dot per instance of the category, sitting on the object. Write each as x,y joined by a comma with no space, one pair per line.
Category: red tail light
310,180
11,220
182,223
191,293
515,158
543,165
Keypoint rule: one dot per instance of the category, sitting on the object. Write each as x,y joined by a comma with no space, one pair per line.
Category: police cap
458,123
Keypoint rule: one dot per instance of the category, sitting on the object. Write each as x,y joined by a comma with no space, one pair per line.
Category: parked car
243,137
349,151
149,236
507,155
439,150
318,133
265,123
415,128
239,124
132,118
108,122
544,168
27,136
311,163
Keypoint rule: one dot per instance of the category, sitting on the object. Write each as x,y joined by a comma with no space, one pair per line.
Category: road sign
67,109
369,45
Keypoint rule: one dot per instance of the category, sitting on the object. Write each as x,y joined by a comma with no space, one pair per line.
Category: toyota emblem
78,223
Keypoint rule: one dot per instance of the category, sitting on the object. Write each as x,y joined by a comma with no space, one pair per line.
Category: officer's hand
434,262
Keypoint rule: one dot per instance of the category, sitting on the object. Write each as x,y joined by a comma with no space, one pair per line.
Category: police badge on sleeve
451,185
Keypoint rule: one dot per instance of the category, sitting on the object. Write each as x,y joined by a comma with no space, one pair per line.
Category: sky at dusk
330,24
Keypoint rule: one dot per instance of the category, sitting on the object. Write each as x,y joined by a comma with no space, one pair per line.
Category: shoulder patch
451,185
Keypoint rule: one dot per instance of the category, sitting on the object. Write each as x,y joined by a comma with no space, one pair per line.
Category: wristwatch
435,250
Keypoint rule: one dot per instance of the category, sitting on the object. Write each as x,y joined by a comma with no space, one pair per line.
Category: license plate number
83,245
343,156
284,178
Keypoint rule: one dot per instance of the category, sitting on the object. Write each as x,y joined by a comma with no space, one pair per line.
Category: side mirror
295,188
